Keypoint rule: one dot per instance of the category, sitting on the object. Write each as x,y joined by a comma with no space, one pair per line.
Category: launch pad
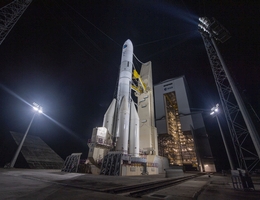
126,144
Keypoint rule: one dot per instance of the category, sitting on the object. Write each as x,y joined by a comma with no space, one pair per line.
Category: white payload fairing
121,118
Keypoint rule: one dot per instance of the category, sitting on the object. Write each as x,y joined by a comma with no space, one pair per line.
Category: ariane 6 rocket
121,119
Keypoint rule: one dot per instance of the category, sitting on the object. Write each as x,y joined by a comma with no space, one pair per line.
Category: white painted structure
148,131
134,149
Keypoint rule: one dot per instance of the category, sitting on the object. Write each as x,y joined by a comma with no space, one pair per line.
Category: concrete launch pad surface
53,184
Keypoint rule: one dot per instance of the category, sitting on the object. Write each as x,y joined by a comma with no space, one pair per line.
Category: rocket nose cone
128,41
128,44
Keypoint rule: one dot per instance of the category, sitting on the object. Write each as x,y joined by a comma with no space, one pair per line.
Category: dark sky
65,55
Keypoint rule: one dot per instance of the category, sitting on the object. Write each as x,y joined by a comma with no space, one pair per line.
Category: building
182,136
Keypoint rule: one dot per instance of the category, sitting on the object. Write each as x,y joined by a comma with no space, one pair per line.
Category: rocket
121,119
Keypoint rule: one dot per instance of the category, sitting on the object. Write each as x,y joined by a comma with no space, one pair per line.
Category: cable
70,34
169,47
91,23
254,111
159,40
83,32
137,59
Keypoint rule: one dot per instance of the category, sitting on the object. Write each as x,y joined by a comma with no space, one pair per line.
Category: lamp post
214,111
38,108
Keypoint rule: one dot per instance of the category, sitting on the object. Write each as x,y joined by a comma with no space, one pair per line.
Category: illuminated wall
182,136
176,145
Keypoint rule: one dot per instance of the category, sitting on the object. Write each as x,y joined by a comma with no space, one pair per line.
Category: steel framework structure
111,164
241,129
71,163
10,14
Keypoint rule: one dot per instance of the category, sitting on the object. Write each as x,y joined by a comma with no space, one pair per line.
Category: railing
101,141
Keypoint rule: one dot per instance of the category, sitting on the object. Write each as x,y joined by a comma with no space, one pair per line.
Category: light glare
214,109
37,107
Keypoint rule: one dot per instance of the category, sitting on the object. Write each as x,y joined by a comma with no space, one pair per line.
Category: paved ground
53,184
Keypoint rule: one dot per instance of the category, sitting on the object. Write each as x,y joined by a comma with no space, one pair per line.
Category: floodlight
37,107
205,21
202,26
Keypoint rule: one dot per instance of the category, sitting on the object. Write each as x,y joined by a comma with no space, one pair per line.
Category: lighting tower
37,108
10,14
239,122
214,111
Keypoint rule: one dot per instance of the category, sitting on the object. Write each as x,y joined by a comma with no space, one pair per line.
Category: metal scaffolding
10,14
242,130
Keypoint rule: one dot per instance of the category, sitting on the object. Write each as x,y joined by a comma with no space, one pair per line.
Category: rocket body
124,97
121,109
125,75
122,129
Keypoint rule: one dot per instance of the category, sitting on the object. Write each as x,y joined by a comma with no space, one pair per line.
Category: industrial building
182,136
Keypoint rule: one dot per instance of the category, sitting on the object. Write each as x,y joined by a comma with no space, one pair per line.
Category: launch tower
126,144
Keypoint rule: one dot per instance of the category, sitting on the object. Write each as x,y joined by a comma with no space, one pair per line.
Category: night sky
65,55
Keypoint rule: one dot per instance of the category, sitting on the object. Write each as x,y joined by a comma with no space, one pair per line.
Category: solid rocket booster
134,132
109,117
